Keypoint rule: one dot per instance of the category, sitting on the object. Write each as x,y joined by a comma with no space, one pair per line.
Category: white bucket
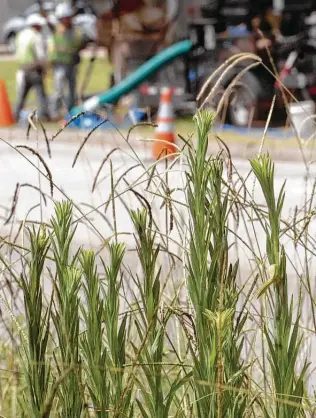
302,118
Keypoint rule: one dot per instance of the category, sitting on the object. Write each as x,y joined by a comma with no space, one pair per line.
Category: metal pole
170,8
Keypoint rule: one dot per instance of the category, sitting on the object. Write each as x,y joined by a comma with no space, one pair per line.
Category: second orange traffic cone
6,116
165,121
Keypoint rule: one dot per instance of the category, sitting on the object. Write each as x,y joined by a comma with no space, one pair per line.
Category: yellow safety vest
64,45
25,45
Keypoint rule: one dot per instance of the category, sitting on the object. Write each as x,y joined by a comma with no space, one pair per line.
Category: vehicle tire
243,101
11,43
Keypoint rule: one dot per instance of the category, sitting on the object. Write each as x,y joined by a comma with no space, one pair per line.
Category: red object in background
289,63
165,139
193,10
312,90
6,116
129,6
266,104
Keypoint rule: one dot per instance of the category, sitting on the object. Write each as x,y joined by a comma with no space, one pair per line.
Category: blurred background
124,35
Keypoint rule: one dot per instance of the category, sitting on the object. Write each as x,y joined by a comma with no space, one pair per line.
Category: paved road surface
77,182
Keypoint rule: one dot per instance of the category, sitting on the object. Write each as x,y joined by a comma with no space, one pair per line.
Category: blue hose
136,78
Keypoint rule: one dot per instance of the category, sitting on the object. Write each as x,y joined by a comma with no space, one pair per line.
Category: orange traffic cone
164,131
6,116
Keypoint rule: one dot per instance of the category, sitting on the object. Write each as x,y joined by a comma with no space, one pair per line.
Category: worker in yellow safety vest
32,63
64,46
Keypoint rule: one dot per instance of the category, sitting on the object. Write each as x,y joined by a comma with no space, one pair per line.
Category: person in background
263,29
132,16
64,46
32,62
122,23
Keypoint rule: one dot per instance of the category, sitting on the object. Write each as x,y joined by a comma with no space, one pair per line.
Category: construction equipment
133,80
206,48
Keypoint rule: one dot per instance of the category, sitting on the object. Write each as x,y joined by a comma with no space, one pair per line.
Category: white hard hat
311,19
35,20
52,19
101,6
63,10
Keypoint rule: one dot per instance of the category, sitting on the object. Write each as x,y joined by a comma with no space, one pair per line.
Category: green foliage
157,395
92,341
37,365
212,285
110,341
66,313
284,341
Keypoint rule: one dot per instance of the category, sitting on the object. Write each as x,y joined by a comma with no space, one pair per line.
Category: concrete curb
242,148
